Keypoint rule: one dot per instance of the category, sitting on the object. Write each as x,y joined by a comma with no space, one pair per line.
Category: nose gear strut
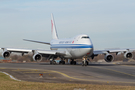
85,62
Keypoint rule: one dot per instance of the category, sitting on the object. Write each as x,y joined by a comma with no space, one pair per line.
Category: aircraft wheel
63,62
74,62
50,62
82,63
71,62
54,62
60,62
87,62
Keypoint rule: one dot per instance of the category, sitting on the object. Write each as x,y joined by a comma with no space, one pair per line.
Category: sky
109,23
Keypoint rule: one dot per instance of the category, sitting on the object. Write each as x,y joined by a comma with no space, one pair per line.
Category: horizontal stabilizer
37,41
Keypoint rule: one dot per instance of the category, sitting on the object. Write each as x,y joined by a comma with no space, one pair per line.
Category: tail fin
54,31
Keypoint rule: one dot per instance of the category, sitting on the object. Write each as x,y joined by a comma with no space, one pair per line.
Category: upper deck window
85,37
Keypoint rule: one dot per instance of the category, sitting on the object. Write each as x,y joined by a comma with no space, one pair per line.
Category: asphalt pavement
94,73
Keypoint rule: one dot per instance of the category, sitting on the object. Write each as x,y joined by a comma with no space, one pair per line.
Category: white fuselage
76,47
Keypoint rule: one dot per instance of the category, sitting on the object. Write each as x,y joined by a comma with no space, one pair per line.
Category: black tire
74,62
63,62
87,62
54,62
71,62
51,62
82,63
60,62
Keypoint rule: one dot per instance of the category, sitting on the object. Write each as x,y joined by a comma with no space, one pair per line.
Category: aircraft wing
96,52
109,57
16,50
44,53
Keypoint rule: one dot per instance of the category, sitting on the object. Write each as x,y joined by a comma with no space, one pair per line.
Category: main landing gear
53,62
85,62
73,62
62,62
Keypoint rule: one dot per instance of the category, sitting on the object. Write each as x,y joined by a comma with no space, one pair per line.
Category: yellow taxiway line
79,78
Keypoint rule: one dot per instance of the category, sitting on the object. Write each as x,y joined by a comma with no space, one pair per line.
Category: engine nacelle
37,57
6,54
109,58
128,55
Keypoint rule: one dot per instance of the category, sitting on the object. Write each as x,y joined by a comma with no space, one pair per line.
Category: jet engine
37,57
109,58
5,54
128,55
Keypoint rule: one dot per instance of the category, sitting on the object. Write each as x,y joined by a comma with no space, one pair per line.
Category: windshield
85,36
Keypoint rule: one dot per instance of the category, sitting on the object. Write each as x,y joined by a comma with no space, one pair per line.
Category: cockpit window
85,36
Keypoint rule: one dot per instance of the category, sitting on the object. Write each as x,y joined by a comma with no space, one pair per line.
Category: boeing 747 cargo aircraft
77,47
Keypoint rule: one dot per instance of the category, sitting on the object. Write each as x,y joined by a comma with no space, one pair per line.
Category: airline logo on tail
52,25
54,32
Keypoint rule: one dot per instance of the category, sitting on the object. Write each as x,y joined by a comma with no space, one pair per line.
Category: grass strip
6,83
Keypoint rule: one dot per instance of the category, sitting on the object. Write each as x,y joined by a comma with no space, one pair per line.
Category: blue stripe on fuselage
71,46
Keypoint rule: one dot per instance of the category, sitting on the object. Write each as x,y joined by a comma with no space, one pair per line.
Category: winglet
54,31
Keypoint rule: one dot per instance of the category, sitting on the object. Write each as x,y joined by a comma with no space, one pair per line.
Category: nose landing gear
85,62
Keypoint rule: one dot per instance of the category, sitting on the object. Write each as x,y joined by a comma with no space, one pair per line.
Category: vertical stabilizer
54,31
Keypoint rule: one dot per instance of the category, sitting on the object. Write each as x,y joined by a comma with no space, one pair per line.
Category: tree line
28,57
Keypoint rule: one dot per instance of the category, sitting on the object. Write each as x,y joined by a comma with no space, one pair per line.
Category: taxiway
115,74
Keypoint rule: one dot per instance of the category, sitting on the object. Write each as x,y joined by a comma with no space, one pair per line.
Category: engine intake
37,57
6,54
128,55
109,58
